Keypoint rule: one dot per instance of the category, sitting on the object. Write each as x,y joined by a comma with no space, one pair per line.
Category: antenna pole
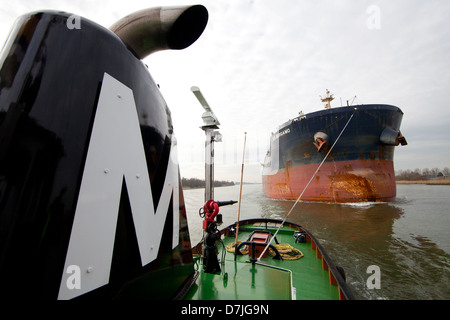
240,191
210,123
209,165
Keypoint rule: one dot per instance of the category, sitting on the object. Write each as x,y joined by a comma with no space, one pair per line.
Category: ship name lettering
282,133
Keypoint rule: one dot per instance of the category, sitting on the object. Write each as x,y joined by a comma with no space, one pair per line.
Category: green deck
270,280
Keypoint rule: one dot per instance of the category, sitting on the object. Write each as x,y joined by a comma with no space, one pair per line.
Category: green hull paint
307,278
244,282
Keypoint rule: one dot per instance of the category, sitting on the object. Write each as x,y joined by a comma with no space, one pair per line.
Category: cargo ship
342,154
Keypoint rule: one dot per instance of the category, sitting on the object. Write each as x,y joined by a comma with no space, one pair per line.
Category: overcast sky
260,62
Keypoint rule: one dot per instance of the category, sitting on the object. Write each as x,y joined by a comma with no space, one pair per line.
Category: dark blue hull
301,144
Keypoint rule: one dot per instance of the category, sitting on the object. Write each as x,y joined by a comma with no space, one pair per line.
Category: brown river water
406,241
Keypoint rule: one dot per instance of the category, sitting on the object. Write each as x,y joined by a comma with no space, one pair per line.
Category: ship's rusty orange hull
343,181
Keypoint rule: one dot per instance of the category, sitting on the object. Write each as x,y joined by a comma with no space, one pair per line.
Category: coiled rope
287,252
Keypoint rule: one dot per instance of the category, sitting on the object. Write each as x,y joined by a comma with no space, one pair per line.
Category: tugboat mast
210,124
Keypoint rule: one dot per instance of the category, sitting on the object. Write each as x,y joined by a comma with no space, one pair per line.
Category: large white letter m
115,153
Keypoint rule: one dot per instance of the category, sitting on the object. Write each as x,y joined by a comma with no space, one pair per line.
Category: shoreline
195,188
442,182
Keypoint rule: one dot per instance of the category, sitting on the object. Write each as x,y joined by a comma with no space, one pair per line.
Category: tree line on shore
198,183
401,175
422,174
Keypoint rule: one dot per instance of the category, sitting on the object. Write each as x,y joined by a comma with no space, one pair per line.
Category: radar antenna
209,118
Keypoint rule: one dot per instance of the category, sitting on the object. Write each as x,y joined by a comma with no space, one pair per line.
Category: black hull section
360,141
51,80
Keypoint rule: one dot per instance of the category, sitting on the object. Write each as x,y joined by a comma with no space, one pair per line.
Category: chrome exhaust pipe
160,28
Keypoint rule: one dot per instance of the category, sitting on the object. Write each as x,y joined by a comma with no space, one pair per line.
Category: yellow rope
286,251
231,248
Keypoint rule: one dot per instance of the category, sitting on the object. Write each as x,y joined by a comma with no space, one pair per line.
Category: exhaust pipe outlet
161,28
